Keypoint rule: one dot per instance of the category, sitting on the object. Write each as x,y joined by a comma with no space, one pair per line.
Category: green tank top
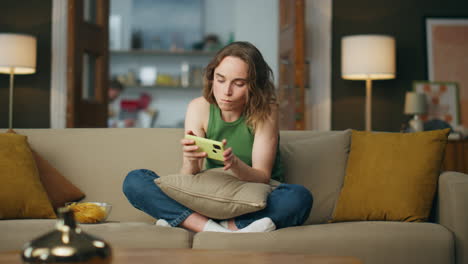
240,137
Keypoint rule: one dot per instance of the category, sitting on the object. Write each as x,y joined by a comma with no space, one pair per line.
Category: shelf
155,87
164,52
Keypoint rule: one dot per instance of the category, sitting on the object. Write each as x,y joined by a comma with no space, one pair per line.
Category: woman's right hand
190,149
193,159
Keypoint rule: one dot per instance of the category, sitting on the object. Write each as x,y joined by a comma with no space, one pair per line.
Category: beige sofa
97,160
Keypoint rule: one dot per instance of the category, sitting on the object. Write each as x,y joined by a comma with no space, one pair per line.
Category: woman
239,108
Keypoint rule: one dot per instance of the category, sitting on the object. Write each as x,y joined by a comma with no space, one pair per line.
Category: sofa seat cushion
141,235
15,233
372,242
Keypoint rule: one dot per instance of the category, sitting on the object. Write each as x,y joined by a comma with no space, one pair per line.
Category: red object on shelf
144,101
129,105
133,105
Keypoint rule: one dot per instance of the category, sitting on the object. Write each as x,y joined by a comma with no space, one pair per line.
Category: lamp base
416,124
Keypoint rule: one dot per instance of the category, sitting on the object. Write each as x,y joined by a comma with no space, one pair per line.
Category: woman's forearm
246,173
190,167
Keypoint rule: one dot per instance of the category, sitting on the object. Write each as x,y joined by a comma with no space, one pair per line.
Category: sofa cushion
21,192
371,242
391,176
141,235
15,233
58,188
102,157
317,160
215,193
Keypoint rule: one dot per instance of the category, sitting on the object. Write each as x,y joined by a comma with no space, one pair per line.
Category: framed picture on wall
442,101
447,50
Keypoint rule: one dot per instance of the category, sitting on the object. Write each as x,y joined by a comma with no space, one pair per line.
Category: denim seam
149,173
181,218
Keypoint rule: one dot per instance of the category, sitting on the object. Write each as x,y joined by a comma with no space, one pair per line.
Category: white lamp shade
368,57
17,52
415,103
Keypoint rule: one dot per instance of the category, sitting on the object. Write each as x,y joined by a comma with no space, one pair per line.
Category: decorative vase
66,244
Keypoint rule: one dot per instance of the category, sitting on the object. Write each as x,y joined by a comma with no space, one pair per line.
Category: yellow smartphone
213,148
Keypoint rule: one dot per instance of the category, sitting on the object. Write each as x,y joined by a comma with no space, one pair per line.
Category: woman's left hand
229,158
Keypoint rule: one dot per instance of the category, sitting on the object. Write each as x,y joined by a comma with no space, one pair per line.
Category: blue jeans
287,205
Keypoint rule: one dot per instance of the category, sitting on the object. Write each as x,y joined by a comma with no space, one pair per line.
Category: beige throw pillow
317,160
215,193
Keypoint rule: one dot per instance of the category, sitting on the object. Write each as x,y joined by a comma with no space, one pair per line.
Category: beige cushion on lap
320,168
215,193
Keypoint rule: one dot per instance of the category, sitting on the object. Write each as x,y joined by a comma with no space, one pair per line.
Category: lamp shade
368,57
17,52
415,103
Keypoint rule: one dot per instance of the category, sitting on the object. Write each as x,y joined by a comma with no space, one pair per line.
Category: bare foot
232,226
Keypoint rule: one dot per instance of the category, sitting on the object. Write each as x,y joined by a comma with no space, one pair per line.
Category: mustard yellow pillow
21,192
391,176
59,189
215,193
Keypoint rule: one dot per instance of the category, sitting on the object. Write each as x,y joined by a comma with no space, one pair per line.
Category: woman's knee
291,205
135,179
300,198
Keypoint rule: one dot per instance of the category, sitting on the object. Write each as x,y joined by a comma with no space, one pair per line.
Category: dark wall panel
403,19
31,92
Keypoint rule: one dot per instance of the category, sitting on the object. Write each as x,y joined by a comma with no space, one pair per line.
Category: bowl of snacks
90,212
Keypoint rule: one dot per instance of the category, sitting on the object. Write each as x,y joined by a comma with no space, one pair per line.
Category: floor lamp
368,57
17,56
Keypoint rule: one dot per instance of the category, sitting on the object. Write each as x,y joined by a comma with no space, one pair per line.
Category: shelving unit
157,87
164,52
169,100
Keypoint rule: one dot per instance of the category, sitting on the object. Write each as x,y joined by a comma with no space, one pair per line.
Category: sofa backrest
98,159
317,160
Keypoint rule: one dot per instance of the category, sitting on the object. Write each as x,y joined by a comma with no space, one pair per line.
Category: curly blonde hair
261,95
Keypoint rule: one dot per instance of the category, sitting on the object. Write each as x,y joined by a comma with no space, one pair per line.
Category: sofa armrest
452,210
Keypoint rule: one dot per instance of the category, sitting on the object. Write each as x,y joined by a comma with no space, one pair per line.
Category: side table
456,156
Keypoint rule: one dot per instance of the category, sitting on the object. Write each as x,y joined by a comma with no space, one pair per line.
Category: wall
257,22
253,21
318,22
405,21
219,18
31,92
